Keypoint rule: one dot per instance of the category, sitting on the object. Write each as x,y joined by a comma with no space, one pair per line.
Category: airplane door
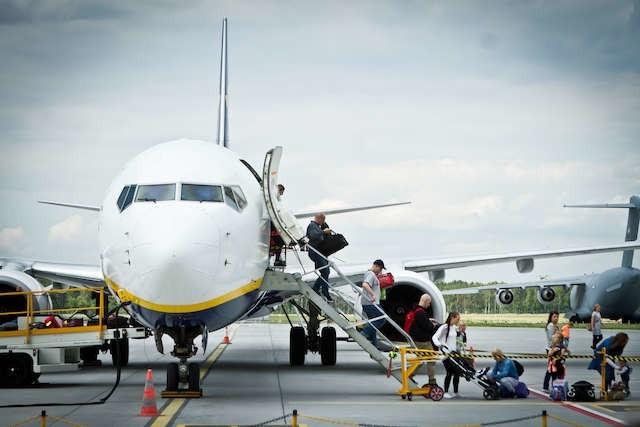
282,219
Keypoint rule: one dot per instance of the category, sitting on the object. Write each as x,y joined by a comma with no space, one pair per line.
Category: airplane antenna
223,127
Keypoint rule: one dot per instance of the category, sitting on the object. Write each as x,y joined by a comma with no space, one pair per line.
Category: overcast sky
488,116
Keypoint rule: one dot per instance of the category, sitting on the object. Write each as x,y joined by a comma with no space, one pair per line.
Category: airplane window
122,196
240,199
202,193
126,197
156,193
230,199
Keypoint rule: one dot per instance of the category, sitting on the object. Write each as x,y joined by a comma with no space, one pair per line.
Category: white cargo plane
184,242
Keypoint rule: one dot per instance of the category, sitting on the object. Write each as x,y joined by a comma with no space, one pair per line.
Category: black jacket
422,329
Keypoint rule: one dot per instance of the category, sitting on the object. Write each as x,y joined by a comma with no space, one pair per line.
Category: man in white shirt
370,301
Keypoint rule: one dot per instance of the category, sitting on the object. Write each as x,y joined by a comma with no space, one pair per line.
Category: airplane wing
345,210
524,260
79,275
565,282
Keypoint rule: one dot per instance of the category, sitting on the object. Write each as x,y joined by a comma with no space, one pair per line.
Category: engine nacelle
17,281
405,294
504,297
546,295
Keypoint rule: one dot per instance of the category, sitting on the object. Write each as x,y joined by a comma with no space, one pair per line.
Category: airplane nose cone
175,249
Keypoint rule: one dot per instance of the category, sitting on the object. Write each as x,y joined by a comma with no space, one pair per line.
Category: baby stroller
464,368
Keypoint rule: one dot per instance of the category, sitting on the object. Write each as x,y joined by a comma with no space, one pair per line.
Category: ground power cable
97,402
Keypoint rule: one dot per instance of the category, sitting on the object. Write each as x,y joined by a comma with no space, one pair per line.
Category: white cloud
67,229
12,239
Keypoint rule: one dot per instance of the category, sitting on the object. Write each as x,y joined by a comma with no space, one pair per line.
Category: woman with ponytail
445,340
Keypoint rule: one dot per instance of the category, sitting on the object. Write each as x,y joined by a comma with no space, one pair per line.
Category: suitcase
331,244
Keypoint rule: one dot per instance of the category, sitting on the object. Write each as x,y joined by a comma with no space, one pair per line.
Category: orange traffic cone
149,407
226,339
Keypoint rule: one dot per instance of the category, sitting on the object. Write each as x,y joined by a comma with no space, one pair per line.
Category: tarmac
250,382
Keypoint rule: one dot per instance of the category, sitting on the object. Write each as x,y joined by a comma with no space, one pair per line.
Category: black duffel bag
331,244
582,391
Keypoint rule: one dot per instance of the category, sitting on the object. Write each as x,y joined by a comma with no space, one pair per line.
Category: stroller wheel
436,393
491,393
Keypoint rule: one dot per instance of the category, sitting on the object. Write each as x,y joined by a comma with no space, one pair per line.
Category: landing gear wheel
328,348
173,377
297,346
194,377
571,394
122,351
436,393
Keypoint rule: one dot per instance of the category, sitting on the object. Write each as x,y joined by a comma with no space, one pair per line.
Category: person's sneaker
448,396
546,390
457,394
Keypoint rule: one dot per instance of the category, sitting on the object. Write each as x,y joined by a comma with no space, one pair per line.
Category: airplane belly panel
214,317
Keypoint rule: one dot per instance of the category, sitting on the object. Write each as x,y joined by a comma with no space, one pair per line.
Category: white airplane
184,243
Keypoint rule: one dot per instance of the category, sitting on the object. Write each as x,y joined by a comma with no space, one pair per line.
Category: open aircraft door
283,220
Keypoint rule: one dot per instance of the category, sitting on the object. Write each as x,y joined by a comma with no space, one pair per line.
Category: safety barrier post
43,418
294,418
603,372
544,418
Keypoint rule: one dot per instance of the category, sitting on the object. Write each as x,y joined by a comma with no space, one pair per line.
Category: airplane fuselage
616,290
184,236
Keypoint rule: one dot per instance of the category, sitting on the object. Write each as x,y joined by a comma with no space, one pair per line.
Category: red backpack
410,318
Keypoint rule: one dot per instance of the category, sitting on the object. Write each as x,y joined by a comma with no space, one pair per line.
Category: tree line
524,301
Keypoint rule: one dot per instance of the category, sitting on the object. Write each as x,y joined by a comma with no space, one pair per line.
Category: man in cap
370,300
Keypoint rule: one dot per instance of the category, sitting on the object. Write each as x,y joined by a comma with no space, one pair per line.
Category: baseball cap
380,263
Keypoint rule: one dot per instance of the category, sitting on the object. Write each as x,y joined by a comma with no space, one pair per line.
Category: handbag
331,244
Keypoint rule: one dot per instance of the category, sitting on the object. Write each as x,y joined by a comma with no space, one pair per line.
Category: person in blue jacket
614,346
504,371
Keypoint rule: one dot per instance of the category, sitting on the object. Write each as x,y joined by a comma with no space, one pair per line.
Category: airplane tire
123,351
194,377
297,346
328,348
173,377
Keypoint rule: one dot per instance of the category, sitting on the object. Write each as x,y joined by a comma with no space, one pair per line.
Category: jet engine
546,295
18,281
403,296
504,297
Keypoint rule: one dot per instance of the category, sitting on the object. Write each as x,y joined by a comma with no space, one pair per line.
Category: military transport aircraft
617,290
184,243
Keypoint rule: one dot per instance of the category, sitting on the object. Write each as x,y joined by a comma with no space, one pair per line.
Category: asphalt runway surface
250,382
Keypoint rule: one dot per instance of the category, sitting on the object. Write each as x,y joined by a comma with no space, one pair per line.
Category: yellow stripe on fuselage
125,295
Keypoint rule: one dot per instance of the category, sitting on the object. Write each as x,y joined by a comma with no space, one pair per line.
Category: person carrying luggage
316,234
370,301
422,330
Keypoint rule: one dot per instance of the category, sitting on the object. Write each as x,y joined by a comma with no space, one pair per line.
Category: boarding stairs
344,291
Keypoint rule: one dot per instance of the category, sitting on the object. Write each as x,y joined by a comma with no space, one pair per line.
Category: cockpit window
201,193
126,197
229,198
234,197
156,192
240,199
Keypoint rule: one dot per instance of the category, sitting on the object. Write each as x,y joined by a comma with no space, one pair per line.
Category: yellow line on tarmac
176,404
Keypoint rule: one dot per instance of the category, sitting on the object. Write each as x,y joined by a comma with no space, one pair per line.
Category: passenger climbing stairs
344,311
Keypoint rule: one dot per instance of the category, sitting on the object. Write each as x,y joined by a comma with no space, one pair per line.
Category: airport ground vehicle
37,337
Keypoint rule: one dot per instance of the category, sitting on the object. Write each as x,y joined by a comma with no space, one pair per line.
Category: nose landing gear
183,379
